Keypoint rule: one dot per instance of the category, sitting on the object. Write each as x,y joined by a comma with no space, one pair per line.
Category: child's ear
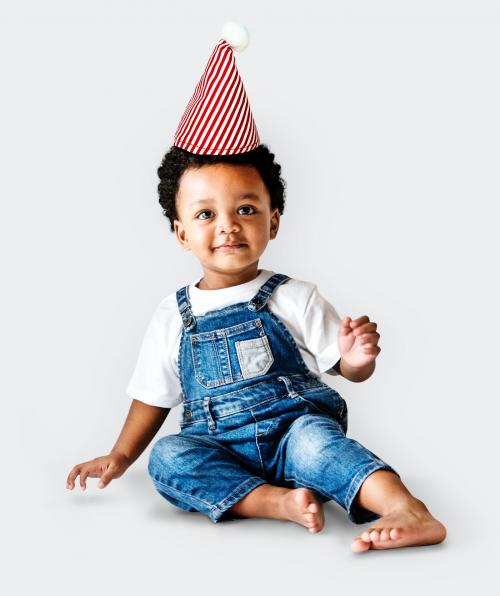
180,234
275,223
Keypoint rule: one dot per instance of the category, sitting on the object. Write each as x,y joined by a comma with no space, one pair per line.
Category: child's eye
208,211
247,207
205,211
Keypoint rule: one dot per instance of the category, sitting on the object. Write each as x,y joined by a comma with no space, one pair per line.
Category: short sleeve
155,380
321,327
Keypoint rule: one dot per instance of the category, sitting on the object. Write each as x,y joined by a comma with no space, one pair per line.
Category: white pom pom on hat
218,119
236,35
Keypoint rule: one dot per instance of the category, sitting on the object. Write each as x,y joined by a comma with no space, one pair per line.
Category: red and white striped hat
218,119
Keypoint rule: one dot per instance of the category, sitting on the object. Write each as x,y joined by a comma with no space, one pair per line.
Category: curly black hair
177,160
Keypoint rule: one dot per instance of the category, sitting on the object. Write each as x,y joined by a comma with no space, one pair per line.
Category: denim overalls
254,413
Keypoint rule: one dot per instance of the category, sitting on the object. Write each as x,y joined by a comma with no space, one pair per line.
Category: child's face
213,211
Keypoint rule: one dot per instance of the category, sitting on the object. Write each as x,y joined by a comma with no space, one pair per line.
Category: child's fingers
83,477
345,326
360,321
106,477
368,338
366,328
70,481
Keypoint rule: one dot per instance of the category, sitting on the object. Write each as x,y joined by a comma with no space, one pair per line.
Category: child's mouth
230,248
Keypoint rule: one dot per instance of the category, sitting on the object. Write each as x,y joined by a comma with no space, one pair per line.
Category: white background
384,117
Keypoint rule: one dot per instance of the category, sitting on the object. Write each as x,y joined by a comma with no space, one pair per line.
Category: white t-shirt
311,320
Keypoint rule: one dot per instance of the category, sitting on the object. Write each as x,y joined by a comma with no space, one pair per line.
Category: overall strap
184,306
260,299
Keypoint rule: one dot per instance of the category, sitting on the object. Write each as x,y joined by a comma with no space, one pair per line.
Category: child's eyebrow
247,195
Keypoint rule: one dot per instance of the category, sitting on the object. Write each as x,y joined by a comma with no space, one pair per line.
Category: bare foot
302,506
410,525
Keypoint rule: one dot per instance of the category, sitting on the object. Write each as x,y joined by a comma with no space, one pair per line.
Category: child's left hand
358,341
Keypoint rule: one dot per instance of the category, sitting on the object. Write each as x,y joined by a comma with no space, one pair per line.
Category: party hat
218,119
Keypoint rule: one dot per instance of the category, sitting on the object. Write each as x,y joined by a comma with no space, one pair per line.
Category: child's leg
316,454
405,520
300,505
196,473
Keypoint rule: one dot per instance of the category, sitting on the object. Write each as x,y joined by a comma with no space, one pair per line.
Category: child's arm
354,375
142,423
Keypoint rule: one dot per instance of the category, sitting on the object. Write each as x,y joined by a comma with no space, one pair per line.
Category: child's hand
358,341
105,467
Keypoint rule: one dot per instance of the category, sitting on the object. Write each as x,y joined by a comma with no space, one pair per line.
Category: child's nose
227,223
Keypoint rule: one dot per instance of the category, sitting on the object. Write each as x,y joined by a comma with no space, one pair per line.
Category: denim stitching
211,338
228,360
310,403
298,355
235,391
257,443
196,401
184,424
272,425
355,484
221,416
231,393
205,336
266,290
179,361
215,349
252,406
167,486
316,387
259,342
210,314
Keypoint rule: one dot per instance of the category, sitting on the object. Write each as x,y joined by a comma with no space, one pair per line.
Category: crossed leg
405,520
316,455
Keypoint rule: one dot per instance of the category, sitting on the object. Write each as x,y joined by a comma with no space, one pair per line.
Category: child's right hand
105,467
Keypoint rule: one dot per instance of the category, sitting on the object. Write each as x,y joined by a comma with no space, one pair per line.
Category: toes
313,508
358,545
375,535
312,523
380,534
394,533
385,535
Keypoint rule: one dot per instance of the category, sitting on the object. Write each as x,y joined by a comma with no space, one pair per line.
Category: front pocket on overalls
231,354
255,356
